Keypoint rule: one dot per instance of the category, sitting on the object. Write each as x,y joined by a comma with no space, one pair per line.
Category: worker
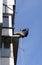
23,33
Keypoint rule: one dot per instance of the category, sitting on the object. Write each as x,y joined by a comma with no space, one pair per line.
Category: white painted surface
8,10
7,32
10,4
11,48
1,7
6,61
10,25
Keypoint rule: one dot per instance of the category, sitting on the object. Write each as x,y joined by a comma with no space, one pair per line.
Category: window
5,21
5,49
5,30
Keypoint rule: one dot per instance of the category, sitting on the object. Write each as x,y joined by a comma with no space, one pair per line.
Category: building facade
8,41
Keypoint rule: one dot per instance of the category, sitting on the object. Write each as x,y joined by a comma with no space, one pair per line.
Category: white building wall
10,25
6,61
1,7
10,4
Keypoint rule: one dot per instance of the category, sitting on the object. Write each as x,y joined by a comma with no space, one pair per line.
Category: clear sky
29,15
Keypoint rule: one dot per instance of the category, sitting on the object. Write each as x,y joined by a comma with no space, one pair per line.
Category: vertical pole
11,54
11,49
10,25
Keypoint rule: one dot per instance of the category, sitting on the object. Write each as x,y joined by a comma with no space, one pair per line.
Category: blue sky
29,15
